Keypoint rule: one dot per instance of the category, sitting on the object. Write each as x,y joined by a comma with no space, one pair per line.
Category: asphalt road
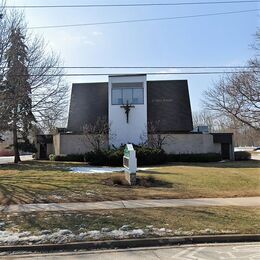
200,252
10,159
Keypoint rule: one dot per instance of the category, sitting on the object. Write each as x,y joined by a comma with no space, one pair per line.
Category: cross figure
127,107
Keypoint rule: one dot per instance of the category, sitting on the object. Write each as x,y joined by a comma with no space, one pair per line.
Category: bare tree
155,138
237,96
48,91
203,118
97,134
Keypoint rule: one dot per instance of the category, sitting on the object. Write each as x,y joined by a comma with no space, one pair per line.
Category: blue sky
208,41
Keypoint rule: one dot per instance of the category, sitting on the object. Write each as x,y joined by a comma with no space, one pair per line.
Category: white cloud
64,39
167,76
172,70
97,33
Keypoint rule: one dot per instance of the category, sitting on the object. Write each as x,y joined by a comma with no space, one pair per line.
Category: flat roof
126,75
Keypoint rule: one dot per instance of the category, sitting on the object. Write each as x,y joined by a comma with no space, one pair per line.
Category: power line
142,20
143,67
130,5
137,73
151,67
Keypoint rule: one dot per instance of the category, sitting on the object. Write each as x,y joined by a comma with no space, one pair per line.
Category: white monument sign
130,163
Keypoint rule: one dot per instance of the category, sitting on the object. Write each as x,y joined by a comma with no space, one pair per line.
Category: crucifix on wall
127,107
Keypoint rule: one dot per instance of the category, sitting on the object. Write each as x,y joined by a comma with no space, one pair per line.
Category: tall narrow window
138,96
127,95
117,98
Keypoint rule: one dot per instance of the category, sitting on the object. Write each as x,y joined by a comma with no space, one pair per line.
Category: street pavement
133,204
249,251
10,159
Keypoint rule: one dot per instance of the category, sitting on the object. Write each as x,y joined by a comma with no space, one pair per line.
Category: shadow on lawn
226,164
14,192
36,166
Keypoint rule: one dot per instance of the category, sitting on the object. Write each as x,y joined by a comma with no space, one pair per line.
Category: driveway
10,159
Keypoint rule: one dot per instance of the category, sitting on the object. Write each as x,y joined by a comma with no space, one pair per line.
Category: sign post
130,164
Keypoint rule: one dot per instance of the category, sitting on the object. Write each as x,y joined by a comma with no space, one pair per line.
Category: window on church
138,96
122,96
117,98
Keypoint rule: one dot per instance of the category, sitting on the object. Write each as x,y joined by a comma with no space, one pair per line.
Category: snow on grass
92,170
66,236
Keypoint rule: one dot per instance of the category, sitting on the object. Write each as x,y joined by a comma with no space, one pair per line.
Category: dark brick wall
169,103
88,102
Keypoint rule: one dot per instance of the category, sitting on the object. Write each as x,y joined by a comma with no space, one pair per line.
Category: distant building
130,103
6,140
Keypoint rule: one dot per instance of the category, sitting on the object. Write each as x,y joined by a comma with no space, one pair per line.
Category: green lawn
36,182
154,222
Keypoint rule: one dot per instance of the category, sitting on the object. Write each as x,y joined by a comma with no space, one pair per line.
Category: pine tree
16,102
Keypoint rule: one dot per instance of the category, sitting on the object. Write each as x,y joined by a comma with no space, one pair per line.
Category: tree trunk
15,144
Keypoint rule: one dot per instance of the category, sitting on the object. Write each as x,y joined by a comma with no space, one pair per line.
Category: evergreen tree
15,91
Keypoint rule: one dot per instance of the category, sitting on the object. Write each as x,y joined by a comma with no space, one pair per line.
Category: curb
132,243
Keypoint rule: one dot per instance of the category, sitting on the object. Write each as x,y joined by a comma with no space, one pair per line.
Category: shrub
105,157
242,156
97,157
67,158
207,157
145,156
150,156
52,157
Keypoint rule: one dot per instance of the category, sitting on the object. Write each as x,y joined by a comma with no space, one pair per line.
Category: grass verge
125,223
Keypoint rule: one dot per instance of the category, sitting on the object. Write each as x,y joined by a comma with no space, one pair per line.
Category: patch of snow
103,230
82,236
2,224
56,197
65,235
25,234
93,170
137,232
64,232
149,226
45,232
162,230
125,227
90,193
94,234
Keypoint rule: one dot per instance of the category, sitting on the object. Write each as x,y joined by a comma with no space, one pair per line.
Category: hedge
67,158
200,157
145,156
242,156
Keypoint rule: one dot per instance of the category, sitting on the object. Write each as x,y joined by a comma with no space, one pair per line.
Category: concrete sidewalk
132,204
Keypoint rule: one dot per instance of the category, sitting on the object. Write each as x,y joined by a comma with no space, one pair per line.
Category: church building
130,104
